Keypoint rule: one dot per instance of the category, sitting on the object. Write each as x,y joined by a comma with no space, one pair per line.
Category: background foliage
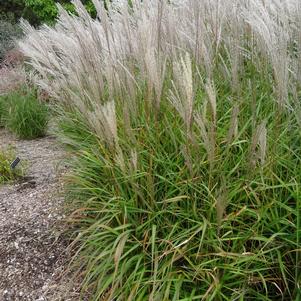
37,11
8,32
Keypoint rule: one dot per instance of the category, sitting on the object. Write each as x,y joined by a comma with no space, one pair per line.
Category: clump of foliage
13,10
8,174
27,117
185,120
47,11
38,12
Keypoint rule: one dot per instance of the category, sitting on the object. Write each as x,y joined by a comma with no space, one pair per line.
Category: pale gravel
33,256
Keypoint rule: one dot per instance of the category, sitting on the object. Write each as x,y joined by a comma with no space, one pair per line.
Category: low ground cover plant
184,118
24,114
8,174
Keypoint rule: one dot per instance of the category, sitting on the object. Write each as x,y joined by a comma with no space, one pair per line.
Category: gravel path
32,253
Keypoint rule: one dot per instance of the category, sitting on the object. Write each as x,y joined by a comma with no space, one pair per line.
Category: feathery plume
182,95
259,144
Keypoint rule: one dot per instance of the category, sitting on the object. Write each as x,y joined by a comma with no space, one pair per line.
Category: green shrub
27,117
6,173
46,10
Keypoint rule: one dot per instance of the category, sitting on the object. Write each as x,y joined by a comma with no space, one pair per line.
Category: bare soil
33,256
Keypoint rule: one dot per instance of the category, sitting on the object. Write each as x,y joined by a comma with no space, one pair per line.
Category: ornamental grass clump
184,121
26,116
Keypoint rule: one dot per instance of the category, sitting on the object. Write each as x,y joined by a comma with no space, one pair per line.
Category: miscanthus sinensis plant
185,120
